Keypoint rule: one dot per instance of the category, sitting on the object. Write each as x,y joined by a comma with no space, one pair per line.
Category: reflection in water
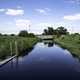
17,63
11,64
49,43
24,53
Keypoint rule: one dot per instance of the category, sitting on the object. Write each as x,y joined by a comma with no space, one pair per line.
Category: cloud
44,11
72,17
73,1
23,23
14,12
2,10
41,11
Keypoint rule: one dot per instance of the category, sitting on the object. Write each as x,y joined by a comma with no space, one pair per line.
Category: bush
12,35
31,35
23,33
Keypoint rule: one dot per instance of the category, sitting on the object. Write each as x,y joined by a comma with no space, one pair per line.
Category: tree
31,35
61,30
76,34
50,31
0,34
5,35
23,33
12,34
45,32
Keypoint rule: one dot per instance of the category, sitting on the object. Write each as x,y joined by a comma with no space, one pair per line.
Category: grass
9,41
71,42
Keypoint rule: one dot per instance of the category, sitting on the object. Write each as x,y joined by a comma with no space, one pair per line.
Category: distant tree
23,33
45,32
12,35
76,34
50,31
5,35
0,34
31,35
61,30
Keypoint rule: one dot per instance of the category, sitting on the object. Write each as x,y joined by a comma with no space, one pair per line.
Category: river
47,60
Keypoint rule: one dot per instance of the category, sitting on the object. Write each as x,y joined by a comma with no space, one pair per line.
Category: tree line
49,31
22,33
59,31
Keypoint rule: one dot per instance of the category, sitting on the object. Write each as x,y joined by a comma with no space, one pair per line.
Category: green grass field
9,44
70,42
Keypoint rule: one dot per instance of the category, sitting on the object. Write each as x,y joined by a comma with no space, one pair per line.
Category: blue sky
35,15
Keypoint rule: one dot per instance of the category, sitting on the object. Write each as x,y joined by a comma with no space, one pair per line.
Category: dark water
46,61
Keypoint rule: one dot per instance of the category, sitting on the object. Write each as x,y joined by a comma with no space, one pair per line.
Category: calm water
46,61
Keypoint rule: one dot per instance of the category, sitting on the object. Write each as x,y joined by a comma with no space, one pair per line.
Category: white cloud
72,17
44,11
70,1
2,10
23,23
14,12
41,11
73,1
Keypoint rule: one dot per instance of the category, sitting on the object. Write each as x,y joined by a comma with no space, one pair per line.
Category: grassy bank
71,42
8,45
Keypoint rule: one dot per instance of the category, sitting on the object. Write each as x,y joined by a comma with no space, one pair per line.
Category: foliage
31,35
59,31
0,34
23,33
71,42
45,32
22,44
12,34
50,30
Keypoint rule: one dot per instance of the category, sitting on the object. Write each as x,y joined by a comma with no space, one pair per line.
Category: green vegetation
22,45
24,33
70,42
59,31
11,44
24,41
65,39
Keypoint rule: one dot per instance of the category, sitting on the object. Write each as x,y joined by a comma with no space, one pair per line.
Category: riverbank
10,45
72,43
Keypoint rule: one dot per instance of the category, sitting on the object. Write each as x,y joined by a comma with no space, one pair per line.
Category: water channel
46,60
